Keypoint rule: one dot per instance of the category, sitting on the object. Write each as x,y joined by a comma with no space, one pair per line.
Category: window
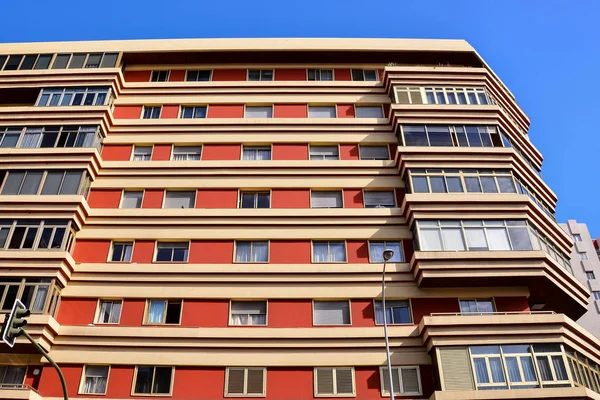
374,152
142,153
376,250
40,295
583,256
256,153
179,199
331,312
248,313
94,379
324,252
364,75
172,252
323,199
396,312
153,380
259,112
596,295
476,306
321,112
132,199
324,152
163,312
584,371
245,382
35,234
260,74
251,252
12,375
9,136
93,60
193,111
448,136
320,74
255,200
369,112
203,75
338,382
109,312
590,275
577,237
121,252
151,112
73,97
160,76
62,182
187,153
443,95
53,136
379,199
80,60
406,380
22,182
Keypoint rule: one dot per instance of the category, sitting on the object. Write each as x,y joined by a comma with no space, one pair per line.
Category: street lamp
387,255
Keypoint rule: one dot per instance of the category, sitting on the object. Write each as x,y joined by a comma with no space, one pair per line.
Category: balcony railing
458,314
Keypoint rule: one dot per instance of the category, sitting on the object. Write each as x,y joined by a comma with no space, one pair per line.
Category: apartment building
586,268
206,219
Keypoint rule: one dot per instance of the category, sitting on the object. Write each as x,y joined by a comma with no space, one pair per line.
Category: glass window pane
454,185
28,62
32,182
13,182
61,60
473,185
415,136
77,61
520,239
430,240
496,370
419,184
498,238
369,112
57,239
439,136
13,62
52,182
453,239
481,371
143,381
476,239
437,184
488,184
10,140
71,182
506,184
321,111
259,112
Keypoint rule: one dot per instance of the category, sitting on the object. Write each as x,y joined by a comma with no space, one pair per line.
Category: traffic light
14,323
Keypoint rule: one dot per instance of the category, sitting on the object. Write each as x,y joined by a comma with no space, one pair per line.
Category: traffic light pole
50,360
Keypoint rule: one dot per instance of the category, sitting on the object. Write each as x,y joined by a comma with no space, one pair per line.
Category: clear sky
546,51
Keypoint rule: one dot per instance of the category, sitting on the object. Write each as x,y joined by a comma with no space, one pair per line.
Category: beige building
205,219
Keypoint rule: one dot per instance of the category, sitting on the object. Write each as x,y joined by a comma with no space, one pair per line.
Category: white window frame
164,312
334,394
315,146
256,194
245,391
158,73
84,376
347,301
152,112
252,242
210,75
318,73
112,251
312,248
182,109
386,146
256,106
125,191
364,78
231,313
365,106
173,247
189,154
144,155
97,317
260,74
134,381
393,191
383,373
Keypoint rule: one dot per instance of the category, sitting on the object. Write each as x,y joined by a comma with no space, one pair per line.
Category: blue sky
546,51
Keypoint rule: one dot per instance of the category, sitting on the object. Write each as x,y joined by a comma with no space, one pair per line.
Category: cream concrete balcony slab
548,281
43,328
274,92
81,115
572,393
43,78
19,392
37,264
70,207
86,158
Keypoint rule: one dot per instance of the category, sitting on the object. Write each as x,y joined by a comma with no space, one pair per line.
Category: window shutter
324,380
132,200
321,112
374,153
343,381
255,381
179,200
410,380
386,380
402,94
326,199
96,370
378,198
259,112
324,151
331,313
249,307
456,369
235,383
369,112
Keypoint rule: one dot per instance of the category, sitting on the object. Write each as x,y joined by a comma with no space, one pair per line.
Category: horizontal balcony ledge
445,107
50,110
43,328
37,263
252,121
267,165
569,393
372,86
240,268
19,392
72,207
48,73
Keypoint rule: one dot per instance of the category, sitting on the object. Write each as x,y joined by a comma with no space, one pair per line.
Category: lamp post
387,255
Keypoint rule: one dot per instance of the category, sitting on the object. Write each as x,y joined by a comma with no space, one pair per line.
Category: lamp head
388,254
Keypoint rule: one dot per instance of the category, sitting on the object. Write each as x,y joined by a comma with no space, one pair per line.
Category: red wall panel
120,382
76,311
290,74
143,251
513,304
91,251
353,198
104,198
358,251
169,112
289,314
295,151
368,383
177,75
399,197
407,247
342,75
221,151
345,111
290,198
127,112
226,111
161,152
153,198
50,382
229,75
393,148
211,252
290,252
120,152
363,313
424,307
349,151
137,76
290,111
386,110
31,379
216,198
132,312
205,313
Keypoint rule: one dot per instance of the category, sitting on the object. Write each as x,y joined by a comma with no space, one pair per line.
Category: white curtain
337,251
320,252
31,138
155,311
40,298
242,252
260,251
